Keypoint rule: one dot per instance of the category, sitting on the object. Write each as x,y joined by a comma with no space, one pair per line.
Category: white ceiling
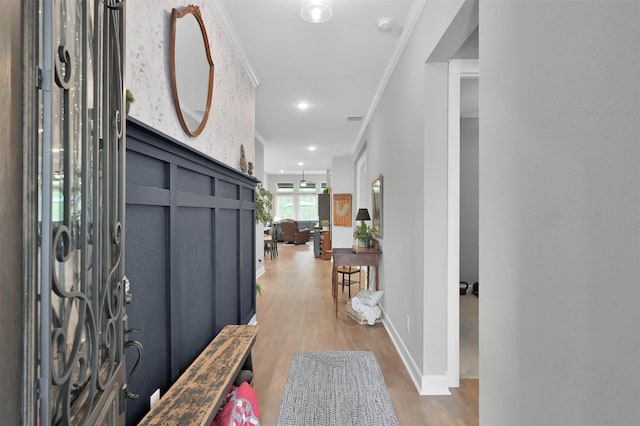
336,67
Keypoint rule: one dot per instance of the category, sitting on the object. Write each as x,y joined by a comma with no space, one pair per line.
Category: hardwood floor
295,313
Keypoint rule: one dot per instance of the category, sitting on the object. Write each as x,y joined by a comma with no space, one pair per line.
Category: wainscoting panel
146,253
227,265
190,256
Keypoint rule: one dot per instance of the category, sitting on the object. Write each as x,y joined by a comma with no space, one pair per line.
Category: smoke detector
385,24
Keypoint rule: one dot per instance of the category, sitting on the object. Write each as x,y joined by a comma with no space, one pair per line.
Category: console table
355,256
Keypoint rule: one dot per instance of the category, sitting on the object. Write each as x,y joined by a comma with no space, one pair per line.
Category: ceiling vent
354,118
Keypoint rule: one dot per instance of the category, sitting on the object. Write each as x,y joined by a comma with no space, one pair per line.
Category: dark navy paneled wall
190,255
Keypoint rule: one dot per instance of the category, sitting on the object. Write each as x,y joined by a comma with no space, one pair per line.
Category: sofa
292,231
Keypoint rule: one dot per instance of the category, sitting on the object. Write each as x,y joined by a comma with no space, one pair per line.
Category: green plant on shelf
264,205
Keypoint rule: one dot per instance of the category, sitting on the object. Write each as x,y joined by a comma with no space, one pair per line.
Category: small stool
348,270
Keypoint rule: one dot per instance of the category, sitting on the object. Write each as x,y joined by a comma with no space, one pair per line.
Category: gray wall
407,143
560,213
11,212
469,134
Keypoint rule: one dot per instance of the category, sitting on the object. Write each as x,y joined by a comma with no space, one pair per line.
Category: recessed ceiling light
301,164
281,171
303,105
316,11
312,148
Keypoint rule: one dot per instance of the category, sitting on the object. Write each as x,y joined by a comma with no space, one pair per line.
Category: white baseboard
435,384
403,351
425,384
259,271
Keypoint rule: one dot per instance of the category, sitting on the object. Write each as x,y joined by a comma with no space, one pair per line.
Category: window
297,202
308,202
284,201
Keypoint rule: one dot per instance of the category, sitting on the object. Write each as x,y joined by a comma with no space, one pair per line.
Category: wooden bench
195,397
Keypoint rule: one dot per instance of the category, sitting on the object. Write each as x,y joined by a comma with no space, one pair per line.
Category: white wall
232,116
560,213
407,143
469,135
343,182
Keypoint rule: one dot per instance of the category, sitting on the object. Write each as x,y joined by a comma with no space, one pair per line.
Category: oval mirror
191,69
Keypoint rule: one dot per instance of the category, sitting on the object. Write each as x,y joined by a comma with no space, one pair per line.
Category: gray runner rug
336,389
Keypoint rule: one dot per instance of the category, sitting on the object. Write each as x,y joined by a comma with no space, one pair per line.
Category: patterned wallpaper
232,116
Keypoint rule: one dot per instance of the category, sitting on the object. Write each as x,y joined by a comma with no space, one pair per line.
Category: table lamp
363,214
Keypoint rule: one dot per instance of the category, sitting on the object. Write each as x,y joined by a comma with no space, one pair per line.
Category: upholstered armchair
291,233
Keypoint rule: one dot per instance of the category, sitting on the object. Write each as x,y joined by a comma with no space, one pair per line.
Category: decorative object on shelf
316,11
129,99
363,233
243,160
342,210
250,169
190,58
376,206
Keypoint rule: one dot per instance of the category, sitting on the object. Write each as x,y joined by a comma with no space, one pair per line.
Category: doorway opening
458,70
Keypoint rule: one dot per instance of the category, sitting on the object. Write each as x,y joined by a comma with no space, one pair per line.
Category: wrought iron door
81,337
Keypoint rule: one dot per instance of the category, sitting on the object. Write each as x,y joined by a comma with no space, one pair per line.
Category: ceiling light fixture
303,182
303,105
316,11
312,148
385,24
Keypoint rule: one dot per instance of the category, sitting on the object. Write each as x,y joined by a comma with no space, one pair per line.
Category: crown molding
412,18
230,31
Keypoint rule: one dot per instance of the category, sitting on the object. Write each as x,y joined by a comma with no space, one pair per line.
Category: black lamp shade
363,214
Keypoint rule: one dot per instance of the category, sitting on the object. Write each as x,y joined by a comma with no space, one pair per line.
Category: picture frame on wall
342,209
376,206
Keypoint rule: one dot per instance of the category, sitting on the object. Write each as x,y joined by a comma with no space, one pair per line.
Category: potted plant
364,235
264,204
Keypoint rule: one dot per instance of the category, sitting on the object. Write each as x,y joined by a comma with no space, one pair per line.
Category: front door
78,129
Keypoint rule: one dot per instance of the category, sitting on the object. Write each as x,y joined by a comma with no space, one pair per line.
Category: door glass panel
84,338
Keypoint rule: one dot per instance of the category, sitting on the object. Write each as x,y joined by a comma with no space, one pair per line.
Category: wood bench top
196,396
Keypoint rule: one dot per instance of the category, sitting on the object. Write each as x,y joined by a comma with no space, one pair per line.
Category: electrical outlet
408,324
155,397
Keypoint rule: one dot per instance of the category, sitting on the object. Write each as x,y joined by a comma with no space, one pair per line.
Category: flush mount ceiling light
316,11
385,24
303,105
